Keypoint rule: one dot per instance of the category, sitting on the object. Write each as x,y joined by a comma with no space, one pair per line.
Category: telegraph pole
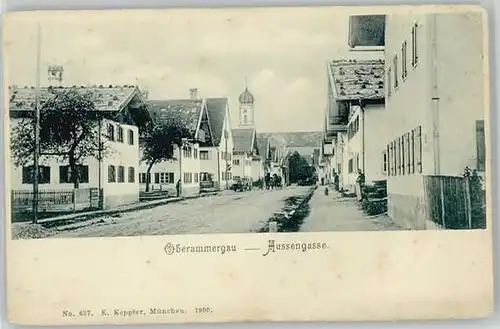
227,165
37,126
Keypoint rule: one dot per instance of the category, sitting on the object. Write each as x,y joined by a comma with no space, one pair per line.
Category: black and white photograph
247,164
355,123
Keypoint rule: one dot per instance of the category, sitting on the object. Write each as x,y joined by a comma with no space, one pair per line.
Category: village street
243,212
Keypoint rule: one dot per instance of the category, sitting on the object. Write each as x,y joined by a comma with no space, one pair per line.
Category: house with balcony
435,99
105,181
185,165
355,119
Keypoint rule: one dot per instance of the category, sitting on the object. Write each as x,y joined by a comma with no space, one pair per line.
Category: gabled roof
294,139
188,109
263,145
216,109
357,79
244,139
106,98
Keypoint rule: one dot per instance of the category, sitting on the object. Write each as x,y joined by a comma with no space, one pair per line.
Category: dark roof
242,139
262,143
295,139
358,79
111,98
188,109
216,109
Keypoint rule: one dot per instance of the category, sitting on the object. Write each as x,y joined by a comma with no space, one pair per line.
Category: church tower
247,115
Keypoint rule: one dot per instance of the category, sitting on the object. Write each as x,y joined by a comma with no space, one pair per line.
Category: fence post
74,200
443,212
468,207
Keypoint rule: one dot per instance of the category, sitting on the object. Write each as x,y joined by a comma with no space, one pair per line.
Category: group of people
272,182
359,186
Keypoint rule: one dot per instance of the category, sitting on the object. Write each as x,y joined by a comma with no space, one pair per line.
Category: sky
280,52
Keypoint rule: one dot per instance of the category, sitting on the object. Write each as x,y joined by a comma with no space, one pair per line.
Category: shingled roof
216,109
262,145
243,139
357,79
106,98
295,139
188,109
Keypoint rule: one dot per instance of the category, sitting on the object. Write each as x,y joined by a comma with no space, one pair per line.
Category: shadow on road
292,216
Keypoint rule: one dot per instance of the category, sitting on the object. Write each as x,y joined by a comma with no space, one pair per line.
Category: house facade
355,119
435,70
116,174
216,158
185,165
245,150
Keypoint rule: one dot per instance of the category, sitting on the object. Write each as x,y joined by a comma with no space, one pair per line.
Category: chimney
194,93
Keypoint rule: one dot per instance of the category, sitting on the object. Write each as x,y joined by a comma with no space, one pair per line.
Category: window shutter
171,177
481,145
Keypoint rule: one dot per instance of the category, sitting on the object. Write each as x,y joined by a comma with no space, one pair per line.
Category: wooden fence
453,204
56,201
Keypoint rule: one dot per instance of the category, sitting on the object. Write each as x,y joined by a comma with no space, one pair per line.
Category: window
143,176
65,174
164,178
481,146
389,82
245,119
196,153
412,152
43,175
111,131
414,42
188,177
121,174
237,177
196,177
188,152
206,177
394,158
418,149
408,153
204,155
353,128
131,174
384,161
403,157
395,64
404,59
111,174
350,166
130,137
120,135
236,162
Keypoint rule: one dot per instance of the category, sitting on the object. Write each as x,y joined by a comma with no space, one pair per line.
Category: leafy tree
159,139
299,168
69,131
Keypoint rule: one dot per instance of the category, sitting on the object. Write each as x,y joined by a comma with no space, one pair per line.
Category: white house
245,149
116,175
217,155
435,87
356,119
185,165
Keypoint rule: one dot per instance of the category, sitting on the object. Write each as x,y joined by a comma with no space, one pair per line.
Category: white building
185,166
435,71
356,118
116,174
216,156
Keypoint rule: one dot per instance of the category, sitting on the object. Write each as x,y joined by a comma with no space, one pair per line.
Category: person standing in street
360,183
178,188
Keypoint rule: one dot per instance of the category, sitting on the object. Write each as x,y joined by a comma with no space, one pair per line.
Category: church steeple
246,100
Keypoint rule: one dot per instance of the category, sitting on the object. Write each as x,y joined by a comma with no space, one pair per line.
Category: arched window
245,119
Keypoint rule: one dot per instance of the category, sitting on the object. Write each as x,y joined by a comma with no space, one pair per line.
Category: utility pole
225,154
37,127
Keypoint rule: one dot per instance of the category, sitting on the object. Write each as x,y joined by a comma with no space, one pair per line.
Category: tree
299,167
69,132
159,139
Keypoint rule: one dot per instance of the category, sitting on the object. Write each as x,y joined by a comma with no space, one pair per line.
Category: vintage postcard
247,164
